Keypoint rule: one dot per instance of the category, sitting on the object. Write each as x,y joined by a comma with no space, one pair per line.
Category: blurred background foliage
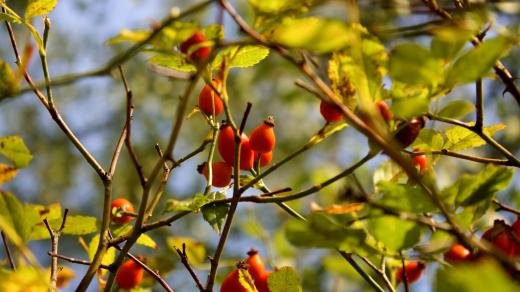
95,110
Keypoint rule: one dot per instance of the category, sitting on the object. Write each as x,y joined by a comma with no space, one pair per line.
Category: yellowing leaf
15,150
337,209
7,173
194,249
39,7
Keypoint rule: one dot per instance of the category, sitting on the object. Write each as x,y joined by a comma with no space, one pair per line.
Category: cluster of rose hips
255,266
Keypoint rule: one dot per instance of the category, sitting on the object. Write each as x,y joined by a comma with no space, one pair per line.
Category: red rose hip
330,112
201,52
129,275
209,99
262,138
118,206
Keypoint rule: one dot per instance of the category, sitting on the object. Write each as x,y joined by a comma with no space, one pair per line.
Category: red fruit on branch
262,138
413,272
221,173
129,275
226,148
420,160
408,132
330,112
256,265
201,51
458,253
265,158
209,99
118,206
384,110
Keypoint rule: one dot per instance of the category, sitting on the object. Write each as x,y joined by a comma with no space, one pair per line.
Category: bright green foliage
173,60
456,109
144,239
192,204
215,215
413,64
428,140
285,279
13,215
195,250
479,276
460,138
241,56
109,257
15,150
39,7
394,233
405,197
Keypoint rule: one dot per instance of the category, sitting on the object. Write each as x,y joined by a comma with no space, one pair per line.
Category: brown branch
75,260
405,274
478,159
185,262
55,236
504,207
8,251
381,272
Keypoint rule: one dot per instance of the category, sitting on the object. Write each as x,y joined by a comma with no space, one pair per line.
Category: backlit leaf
241,56
39,7
15,150
285,279
7,173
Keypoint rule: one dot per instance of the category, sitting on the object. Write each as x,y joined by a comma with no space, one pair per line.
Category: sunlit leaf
39,7
285,279
277,6
315,34
327,131
241,56
12,210
108,258
26,278
405,197
144,239
15,150
195,250
34,214
406,108
127,35
413,64
394,233
174,61
460,138
428,140
246,281
478,61
389,171
456,109
7,173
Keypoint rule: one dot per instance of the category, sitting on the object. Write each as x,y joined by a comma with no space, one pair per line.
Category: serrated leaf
241,56
413,64
405,197
285,279
173,61
428,140
480,276
459,138
10,18
394,233
456,109
478,187
12,210
39,7
192,204
195,250
7,173
478,61
215,215
15,150
315,34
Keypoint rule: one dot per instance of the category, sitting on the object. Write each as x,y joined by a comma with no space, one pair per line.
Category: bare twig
55,236
8,251
405,274
348,257
464,156
504,207
75,260
185,262
381,272
479,105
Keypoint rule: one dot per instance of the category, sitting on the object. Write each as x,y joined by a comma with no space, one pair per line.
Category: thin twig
504,207
8,251
473,158
405,274
55,236
185,262
381,272
75,260
348,257
479,105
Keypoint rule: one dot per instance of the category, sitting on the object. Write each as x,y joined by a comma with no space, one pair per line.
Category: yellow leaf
7,173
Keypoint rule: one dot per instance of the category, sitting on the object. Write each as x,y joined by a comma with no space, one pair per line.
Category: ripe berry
221,173
516,227
408,133
413,272
265,158
121,205
129,275
208,98
330,112
457,253
231,282
262,138
256,265
420,160
384,110
226,148
201,52
502,236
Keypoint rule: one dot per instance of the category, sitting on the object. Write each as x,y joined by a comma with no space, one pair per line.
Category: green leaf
246,281
405,108
194,249
285,279
241,56
460,138
26,278
478,61
192,204
15,150
279,7
428,140
405,197
480,276
12,211
9,86
447,48
394,233
215,215
39,7
10,18
413,64
108,258
174,61
7,173
483,185
77,224
213,31
144,239
127,35
34,214
456,109
315,34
